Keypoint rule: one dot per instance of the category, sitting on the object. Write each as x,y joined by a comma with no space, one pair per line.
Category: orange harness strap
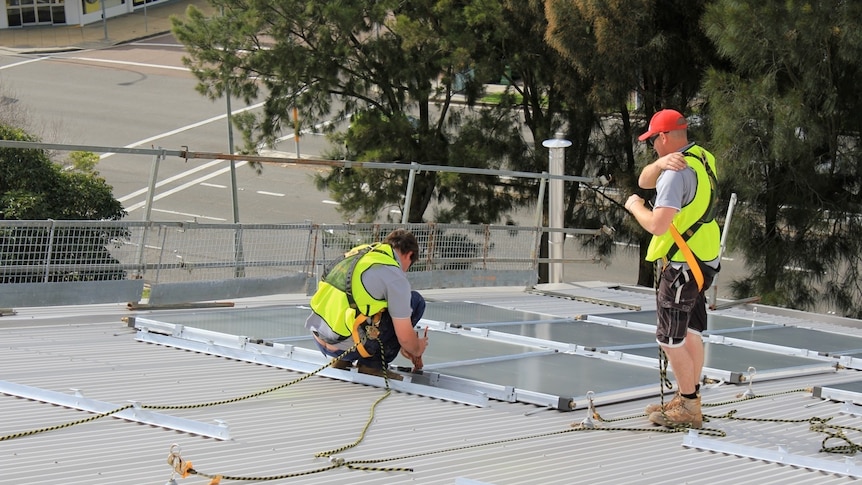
689,256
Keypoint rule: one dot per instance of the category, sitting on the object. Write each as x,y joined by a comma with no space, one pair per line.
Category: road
140,95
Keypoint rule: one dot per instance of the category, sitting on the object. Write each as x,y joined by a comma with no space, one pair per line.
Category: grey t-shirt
675,189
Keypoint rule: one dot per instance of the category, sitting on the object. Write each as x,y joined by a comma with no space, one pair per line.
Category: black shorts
681,307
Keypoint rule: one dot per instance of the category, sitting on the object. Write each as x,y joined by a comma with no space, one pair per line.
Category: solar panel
515,355
466,313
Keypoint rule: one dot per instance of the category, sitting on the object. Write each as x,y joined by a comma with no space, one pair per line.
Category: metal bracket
136,413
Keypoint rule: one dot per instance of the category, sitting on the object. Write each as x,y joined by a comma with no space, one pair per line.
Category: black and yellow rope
22,434
64,425
185,468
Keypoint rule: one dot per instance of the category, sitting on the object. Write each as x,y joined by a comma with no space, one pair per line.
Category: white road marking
274,194
197,181
215,186
196,216
201,167
182,129
28,61
129,63
171,179
156,44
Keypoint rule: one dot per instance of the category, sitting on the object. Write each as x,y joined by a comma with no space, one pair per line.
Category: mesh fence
50,251
196,252
65,251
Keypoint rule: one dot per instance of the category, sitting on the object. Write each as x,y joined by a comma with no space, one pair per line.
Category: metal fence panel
67,262
176,252
61,251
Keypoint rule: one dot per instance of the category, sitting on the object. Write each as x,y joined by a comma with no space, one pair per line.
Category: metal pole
104,19
151,189
540,203
722,246
238,250
409,195
230,147
48,252
556,157
296,130
541,200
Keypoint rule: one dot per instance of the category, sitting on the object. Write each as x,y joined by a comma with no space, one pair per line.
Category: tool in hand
417,361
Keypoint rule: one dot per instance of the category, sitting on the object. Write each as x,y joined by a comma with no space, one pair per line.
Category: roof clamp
591,411
179,467
175,461
749,393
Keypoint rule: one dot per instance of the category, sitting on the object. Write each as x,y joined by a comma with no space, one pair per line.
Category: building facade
27,13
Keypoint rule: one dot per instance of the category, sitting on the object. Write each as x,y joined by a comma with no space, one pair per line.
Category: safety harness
698,268
364,326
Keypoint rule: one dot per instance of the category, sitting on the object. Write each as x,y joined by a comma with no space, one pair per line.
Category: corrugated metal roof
278,433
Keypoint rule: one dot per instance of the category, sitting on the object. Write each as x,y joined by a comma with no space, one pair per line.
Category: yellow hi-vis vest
695,220
331,300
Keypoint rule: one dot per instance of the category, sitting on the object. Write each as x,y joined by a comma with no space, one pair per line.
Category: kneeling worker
364,304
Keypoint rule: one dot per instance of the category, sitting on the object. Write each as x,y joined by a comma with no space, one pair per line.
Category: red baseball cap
665,120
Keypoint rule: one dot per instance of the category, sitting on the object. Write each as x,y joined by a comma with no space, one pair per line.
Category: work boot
341,364
675,402
376,371
686,414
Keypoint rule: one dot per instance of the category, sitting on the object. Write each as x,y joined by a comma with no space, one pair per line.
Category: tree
787,113
391,67
32,187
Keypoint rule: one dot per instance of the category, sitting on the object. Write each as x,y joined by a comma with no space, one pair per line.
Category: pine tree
787,113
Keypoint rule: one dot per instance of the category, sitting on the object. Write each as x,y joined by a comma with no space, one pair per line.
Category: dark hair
403,241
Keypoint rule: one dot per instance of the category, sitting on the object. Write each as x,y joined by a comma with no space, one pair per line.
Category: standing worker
364,310
686,240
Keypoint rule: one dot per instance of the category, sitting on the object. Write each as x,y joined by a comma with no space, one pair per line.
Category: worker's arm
656,221
649,175
407,337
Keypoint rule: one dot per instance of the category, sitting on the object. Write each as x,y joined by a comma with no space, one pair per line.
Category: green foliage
84,162
786,113
32,187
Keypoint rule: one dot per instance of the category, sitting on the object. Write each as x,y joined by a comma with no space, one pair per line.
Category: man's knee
417,304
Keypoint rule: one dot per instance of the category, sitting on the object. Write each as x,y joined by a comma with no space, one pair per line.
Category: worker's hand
417,364
632,200
416,360
672,161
